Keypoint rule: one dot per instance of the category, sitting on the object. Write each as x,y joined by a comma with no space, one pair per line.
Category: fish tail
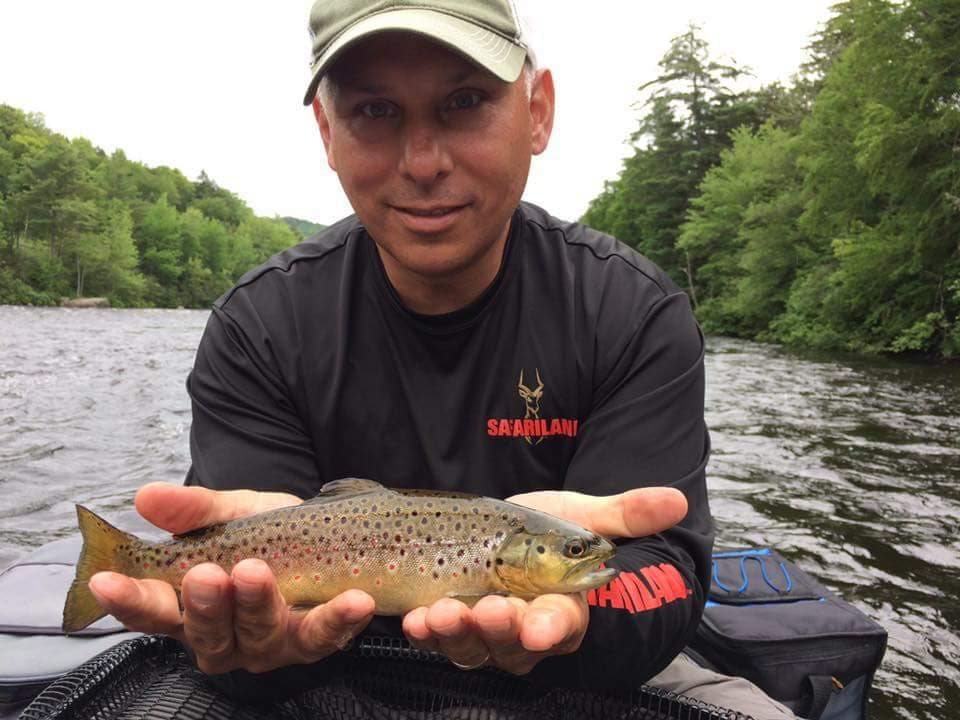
99,553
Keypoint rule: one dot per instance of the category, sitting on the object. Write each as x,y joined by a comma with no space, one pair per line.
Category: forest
823,214
77,222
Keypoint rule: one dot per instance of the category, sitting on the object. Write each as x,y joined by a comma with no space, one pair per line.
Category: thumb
180,509
634,513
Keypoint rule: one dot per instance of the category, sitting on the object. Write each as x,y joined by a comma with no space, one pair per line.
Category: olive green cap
486,32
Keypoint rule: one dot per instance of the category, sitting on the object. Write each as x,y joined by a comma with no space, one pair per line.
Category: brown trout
406,548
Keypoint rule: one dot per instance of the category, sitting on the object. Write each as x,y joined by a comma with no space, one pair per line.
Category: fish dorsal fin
338,489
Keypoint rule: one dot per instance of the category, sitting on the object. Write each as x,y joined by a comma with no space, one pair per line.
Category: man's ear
323,122
542,103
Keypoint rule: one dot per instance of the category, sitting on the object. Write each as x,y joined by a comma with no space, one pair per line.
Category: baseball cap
488,32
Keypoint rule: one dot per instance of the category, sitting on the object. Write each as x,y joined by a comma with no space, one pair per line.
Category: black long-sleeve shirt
579,368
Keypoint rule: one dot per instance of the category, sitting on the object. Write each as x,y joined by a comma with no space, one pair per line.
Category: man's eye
465,101
376,110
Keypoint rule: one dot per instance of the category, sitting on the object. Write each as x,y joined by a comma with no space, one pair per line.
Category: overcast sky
216,85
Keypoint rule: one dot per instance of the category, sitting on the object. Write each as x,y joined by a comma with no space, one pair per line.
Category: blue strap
758,556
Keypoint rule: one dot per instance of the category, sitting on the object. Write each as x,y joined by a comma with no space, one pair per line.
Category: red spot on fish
317,578
166,552
183,566
378,583
296,577
329,561
422,569
146,565
356,571
392,567
276,556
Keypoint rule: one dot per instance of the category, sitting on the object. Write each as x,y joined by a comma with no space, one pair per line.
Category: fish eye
574,548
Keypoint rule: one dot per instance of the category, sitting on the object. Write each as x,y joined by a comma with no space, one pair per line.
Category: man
446,336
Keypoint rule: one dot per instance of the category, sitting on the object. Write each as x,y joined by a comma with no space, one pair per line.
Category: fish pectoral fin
471,599
303,606
337,489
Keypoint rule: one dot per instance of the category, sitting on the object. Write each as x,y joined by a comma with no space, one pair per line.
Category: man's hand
515,635
231,621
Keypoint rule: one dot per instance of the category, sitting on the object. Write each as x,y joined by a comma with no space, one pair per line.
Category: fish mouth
588,575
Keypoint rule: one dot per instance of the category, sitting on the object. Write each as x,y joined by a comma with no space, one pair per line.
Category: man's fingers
452,626
148,606
208,617
179,509
259,614
498,621
333,625
417,632
554,623
634,513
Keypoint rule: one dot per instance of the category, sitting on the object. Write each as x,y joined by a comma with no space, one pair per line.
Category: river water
851,467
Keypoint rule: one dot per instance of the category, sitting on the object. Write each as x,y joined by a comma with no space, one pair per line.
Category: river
849,466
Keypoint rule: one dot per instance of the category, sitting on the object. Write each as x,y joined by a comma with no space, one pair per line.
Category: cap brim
495,53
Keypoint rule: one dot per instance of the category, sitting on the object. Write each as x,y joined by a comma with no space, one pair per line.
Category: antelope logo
531,399
531,427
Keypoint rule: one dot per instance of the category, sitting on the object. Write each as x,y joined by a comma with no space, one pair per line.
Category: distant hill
304,227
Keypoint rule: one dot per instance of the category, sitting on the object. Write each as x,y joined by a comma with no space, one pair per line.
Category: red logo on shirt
531,427
656,585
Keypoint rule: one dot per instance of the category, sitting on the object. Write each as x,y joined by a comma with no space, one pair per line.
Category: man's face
432,151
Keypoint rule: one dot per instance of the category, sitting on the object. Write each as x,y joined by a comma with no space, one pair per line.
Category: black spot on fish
436,576
327,519
541,549
499,561
460,552
423,522
488,563
414,513
440,561
458,526
343,520
528,541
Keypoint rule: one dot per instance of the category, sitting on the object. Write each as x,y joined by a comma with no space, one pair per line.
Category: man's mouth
430,211
429,219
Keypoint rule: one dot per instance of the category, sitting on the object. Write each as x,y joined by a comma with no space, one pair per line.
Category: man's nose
425,157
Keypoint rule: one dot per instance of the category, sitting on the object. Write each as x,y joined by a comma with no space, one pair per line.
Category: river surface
851,467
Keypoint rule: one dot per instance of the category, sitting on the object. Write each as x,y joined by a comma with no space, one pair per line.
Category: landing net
151,678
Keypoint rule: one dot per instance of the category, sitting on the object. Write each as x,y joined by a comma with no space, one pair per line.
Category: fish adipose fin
99,552
339,489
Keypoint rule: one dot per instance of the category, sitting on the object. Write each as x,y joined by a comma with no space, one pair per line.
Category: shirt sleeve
646,428
246,431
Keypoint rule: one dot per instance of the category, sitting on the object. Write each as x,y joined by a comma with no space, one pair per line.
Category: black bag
770,622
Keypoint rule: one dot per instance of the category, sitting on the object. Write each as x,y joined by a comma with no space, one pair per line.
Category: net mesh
151,678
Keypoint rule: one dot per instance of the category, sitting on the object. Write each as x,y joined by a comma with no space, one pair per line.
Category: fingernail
203,595
247,592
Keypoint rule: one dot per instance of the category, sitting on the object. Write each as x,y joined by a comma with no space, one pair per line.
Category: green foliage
304,227
76,222
836,224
